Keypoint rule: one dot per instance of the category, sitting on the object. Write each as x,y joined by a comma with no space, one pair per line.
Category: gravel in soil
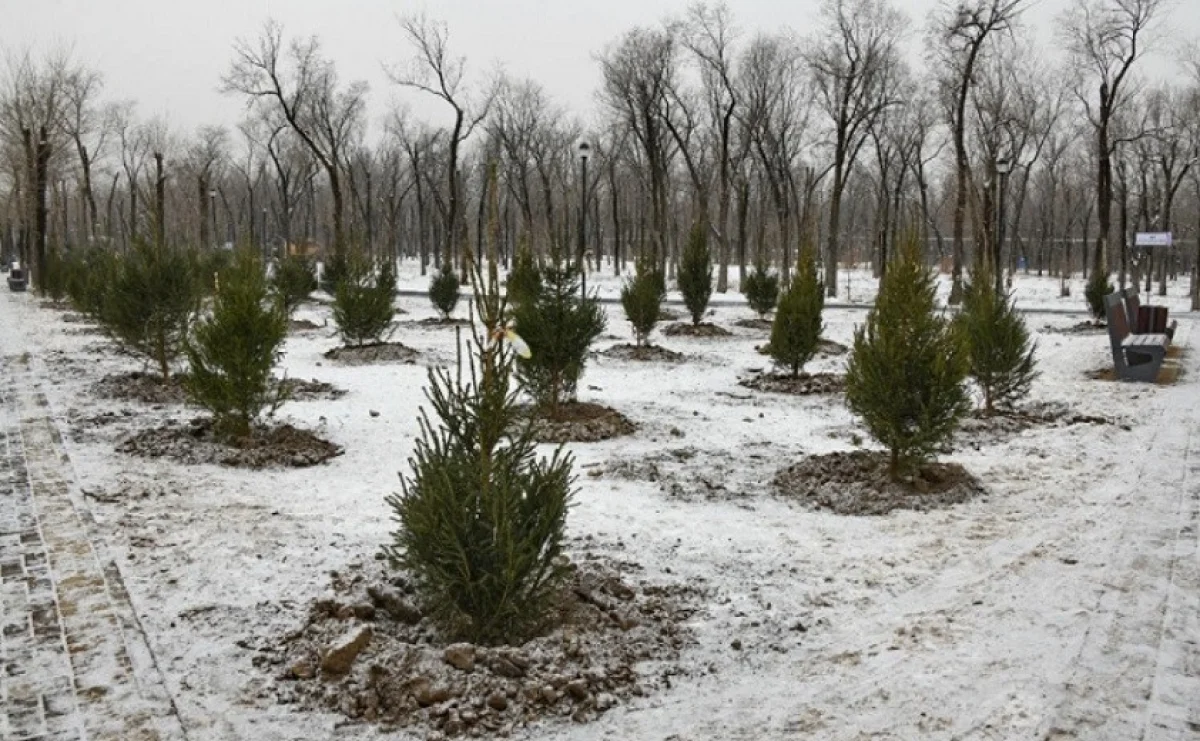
382,352
645,353
801,385
194,443
687,329
369,653
581,422
858,483
148,388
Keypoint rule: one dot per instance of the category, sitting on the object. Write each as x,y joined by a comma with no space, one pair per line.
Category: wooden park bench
1147,319
1136,357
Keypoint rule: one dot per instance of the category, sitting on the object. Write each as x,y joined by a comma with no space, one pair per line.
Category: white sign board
1152,239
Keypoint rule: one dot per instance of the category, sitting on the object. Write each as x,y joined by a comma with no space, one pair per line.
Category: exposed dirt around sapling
980,428
1082,328
581,422
687,329
858,483
801,385
382,352
303,325
607,634
194,443
148,388
756,323
643,354
298,389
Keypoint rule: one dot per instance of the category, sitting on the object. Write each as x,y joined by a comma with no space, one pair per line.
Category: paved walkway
76,666
1137,676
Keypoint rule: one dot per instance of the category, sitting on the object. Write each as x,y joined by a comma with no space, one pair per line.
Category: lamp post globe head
1003,166
585,149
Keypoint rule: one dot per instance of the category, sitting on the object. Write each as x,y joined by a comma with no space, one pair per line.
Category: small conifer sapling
796,331
642,298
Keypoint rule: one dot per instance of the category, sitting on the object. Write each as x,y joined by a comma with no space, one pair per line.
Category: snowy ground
988,620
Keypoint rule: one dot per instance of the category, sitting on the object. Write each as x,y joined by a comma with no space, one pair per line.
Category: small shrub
761,289
524,280
999,350
295,277
695,274
906,373
1098,286
337,267
796,331
362,302
559,326
443,290
90,275
642,298
481,518
232,351
151,302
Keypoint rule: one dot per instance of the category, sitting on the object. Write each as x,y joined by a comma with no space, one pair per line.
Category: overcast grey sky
169,55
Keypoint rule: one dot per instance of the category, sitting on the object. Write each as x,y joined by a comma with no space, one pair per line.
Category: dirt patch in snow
193,443
765,324
298,389
382,352
1084,328
645,353
72,317
82,426
687,329
303,325
824,347
581,422
406,676
980,428
858,483
801,385
437,321
148,388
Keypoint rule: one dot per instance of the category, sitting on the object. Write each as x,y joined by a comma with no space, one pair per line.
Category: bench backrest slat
1118,329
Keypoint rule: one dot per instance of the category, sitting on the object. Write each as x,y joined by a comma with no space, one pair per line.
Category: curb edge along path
76,663
1137,674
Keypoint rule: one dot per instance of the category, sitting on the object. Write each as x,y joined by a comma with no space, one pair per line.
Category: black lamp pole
584,150
1003,167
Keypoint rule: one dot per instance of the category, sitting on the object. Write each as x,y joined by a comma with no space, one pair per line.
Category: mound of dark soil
645,353
668,315
404,675
437,321
298,389
274,446
381,352
980,428
1084,328
687,329
824,347
801,385
148,388
303,325
71,317
858,483
582,422
755,323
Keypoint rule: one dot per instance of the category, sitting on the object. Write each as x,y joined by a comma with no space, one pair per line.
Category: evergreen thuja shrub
295,277
796,331
148,308
906,374
559,326
1098,286
999,349
444,290
524,279
761,289
233,350
695,273
339,266
642,298
480,516
363,306
52,283
90,276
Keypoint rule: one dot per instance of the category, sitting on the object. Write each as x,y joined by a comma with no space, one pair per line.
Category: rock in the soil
426,693
461,656
578,689
394,604
303,670
340,655
497,701
604,701
736,645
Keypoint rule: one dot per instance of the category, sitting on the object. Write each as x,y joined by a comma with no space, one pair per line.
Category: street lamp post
1003,168
584,150
212,207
